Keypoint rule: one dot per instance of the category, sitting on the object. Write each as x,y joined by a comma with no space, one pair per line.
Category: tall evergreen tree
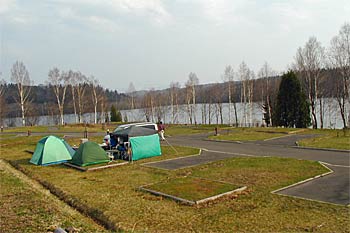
116,116
292,108
113,113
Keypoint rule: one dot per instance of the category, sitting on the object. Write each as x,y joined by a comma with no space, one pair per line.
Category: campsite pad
192,190
114,163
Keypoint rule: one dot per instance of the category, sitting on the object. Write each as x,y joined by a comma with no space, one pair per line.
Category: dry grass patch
246,135
191,189
334,139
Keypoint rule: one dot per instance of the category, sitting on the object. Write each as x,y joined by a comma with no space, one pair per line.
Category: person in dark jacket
161,130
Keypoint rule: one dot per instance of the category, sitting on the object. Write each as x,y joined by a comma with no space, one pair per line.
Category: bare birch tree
59,83
244,76
148,104
217,94
131,93
229,78
73,79
80,89
2,100
192,82
339,56
266,73
174,101
20,76
188,98
96,94
309,61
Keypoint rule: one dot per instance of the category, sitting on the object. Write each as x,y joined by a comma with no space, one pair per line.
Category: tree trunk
74,105
341,103
321,113
236,117
23,113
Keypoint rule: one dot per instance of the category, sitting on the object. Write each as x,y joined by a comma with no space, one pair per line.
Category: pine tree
292,108
119,117
114,114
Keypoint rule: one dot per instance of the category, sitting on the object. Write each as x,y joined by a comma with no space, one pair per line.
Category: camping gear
51,150
139,141
89,153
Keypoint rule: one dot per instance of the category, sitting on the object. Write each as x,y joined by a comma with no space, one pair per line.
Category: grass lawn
335,139
173,130
192,188
112,194
26,209
246,135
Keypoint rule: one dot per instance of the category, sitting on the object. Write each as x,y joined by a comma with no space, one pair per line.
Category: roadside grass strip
192,190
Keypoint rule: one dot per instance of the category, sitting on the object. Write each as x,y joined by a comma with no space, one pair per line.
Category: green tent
89,153
144,142
51,150
145,146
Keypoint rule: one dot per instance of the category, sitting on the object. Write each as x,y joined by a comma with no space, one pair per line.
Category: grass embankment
28,209
112,194
334,139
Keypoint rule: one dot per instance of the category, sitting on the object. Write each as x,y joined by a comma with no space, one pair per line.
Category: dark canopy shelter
134,131
144,142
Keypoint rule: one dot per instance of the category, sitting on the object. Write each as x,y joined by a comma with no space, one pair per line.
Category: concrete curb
220,195
227,141
168,196
190,202
86,169
322,149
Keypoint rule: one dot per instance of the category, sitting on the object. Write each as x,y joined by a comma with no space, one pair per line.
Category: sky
152,43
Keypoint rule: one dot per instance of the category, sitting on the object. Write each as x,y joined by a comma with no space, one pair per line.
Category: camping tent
51,150
144,142
89,153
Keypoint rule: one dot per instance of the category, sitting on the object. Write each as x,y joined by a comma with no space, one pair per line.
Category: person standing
161,130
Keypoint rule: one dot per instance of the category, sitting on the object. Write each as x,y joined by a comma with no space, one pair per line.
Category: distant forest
42,99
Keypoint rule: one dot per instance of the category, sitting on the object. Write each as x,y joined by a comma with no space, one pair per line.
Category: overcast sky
153,42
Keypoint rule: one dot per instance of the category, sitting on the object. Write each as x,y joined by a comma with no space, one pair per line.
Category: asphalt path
333,188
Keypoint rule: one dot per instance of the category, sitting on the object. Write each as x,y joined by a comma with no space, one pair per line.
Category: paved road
333,188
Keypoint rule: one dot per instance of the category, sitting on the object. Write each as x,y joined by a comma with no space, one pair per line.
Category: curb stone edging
189,202
322,149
